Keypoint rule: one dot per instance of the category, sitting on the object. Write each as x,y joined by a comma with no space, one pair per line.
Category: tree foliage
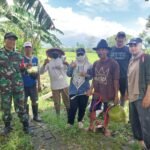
30,21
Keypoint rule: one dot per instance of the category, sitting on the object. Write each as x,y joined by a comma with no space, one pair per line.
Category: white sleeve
43,69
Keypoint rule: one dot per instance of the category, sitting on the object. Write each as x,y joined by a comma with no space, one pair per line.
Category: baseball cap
135,41
10,35
80,51
27,44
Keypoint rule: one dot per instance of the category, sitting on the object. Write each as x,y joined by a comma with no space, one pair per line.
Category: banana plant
32,19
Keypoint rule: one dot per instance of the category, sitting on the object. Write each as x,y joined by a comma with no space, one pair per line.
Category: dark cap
80,51
135,41
121,34
10,35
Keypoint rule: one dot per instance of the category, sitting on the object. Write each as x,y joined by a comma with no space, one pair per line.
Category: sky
88,21
83,21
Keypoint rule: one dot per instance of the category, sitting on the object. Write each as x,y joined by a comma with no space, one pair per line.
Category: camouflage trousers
6,101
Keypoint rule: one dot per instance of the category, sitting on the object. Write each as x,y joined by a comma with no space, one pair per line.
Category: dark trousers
140,121
122,89
32,93
79,103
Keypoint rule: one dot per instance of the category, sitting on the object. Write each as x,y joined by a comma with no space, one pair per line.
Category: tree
148,23
32,21
111,40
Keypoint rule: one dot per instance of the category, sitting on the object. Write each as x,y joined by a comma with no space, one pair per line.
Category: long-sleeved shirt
78,85
57,73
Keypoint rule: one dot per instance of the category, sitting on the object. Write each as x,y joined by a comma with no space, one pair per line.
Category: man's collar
8,50
28,57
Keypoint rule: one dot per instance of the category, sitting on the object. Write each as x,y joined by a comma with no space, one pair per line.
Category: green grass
78,139
73,138
17,140
70,56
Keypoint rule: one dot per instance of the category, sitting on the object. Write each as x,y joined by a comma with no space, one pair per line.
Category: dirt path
44,139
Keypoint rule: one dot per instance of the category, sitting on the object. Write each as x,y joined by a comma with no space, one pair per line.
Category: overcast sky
83,20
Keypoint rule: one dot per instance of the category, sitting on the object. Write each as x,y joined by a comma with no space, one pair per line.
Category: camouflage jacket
10,74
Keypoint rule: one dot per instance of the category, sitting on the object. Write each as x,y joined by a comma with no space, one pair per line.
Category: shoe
80,125
69,126
142,145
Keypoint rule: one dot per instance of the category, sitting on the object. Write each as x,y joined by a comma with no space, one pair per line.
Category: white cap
27,44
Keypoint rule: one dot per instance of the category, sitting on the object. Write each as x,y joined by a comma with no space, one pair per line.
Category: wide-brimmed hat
102,44
54,50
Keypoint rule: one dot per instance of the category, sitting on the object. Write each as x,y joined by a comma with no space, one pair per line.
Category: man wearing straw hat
56,68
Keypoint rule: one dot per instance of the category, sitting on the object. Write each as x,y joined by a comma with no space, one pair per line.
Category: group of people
124,69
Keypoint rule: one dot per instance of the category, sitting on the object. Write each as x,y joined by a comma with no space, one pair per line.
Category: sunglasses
132,45
80,54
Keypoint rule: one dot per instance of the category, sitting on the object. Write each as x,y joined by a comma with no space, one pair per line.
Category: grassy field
73,138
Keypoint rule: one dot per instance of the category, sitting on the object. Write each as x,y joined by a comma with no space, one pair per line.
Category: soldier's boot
7,128
35,113
26,128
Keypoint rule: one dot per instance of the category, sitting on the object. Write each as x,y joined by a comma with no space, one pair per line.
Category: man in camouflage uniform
11,83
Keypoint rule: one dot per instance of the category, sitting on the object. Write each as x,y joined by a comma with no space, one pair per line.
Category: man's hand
28,66
116,100
73,64
89,92
66,63
146,102
46,61
126,97
82,74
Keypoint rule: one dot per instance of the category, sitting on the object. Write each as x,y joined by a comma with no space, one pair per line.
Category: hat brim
130,43
11,36
80,52
50,51
96,48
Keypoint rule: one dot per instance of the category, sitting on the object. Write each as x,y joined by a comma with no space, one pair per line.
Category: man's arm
90,91
116,76
44,68
39,83
146,100
116,86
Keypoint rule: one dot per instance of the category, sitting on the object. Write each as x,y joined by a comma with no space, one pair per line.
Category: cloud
105,5
143,5
75,25
141,22
10,2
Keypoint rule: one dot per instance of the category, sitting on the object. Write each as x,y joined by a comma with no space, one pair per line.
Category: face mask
63,58
55,56
80,58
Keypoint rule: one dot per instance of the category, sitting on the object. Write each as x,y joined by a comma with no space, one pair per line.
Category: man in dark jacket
139,92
